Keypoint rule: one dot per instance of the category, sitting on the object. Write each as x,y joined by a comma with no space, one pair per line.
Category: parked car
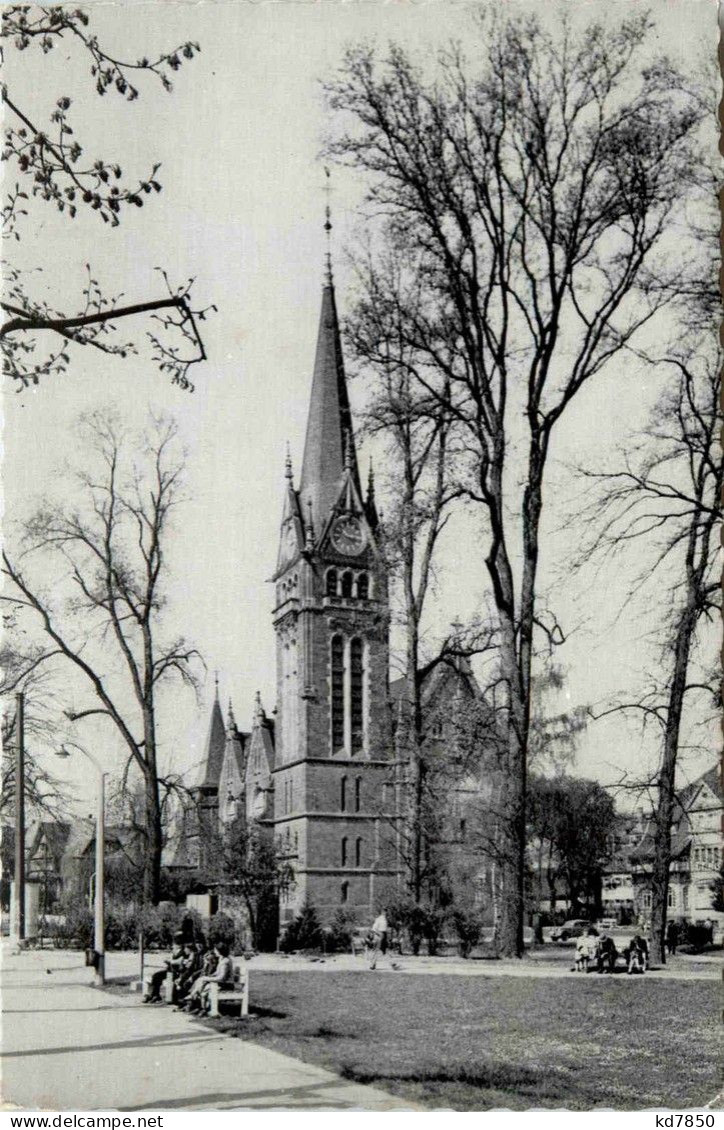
573,928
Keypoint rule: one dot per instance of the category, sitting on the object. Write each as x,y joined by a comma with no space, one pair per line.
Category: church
321,774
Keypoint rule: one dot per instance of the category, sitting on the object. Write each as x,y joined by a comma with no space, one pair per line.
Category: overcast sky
242,212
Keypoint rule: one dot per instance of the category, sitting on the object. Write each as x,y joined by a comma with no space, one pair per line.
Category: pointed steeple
215,742
329,423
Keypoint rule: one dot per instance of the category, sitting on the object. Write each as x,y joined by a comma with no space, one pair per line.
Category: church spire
215,742
329,422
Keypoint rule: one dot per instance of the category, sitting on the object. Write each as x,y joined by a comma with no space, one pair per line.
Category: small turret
370,504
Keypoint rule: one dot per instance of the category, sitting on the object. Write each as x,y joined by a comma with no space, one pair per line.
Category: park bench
238,995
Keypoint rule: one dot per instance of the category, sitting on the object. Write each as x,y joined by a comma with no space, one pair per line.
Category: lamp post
99,932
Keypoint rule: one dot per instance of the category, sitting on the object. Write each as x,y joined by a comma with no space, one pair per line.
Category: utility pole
100,925
20,816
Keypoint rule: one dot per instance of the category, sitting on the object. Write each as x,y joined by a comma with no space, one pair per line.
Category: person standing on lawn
379,938
672,937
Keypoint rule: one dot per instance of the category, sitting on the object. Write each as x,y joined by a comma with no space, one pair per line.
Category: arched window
356,689
363,586
357,793
337,681
358,853
343,793
346,585
331,582
344,851
344,894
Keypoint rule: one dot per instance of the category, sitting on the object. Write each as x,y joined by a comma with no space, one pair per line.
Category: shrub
433,922
467,924
304,932
76,931
341,928
223,928
420,921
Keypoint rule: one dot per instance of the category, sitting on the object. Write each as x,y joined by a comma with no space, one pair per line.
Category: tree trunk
154,830
666,796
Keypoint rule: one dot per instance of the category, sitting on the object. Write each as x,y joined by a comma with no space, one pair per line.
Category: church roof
329,423
214,752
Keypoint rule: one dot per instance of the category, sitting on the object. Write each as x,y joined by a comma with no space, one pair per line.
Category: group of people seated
194,967
599,950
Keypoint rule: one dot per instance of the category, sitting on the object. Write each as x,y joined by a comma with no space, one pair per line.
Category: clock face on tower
348,535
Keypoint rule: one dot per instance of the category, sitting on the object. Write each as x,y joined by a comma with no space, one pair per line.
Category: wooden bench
238,995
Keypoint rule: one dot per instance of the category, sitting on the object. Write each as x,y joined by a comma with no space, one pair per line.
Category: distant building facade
697,851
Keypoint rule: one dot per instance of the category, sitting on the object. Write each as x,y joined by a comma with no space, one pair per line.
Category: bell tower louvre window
331,587
337,695
346,585
363,586
356,652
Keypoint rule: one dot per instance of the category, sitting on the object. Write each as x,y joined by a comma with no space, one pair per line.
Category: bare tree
419,487
21,669
52,167
529,193
670,495
111,548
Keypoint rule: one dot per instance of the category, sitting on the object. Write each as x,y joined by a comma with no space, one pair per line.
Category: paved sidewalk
67,1046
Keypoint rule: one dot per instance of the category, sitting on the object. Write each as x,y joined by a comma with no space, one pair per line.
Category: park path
67,1046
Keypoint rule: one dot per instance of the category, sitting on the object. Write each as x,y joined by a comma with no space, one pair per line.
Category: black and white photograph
361,583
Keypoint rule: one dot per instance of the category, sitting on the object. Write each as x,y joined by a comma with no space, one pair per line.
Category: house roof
712,779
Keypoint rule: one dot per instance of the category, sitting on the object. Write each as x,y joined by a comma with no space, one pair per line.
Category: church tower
333,762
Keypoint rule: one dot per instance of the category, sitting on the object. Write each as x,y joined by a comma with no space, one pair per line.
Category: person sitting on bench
223,976
178,956
189,971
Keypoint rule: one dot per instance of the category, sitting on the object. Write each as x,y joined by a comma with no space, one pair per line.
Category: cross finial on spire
347,451
328,226
309,541
288,472
371,483
216,682
231,721
258,708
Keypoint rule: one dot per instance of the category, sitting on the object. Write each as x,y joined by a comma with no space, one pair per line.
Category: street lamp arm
86,753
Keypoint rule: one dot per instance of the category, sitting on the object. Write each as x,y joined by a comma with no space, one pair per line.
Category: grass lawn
477,1043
